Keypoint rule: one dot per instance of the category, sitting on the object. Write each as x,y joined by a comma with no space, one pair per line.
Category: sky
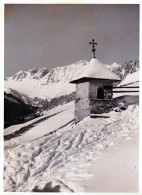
46,35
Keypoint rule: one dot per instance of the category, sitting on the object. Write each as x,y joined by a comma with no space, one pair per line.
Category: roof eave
88,78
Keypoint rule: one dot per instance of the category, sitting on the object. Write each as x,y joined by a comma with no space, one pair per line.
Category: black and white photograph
71,98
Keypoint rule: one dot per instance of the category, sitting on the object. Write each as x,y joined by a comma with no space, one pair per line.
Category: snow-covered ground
51,153
119,173
49,122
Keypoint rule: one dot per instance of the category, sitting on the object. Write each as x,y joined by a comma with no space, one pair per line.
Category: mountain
123,70
43,84
16,94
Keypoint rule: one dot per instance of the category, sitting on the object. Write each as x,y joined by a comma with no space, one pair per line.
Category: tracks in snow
39,162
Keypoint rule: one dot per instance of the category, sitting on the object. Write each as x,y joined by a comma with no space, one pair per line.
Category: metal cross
93,46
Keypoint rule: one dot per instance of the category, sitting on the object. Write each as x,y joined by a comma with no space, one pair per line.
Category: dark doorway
100,93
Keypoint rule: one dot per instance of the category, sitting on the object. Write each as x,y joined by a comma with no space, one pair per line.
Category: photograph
71,98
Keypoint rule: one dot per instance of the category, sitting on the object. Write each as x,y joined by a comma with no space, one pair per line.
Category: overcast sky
58,35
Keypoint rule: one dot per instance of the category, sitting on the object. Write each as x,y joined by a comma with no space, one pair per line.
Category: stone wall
87,106
82,90
89,88
87,100
82,109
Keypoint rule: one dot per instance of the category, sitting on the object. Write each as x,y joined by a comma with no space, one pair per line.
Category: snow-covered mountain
41,84
46,84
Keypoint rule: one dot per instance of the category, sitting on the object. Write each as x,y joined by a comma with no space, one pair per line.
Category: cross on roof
93,46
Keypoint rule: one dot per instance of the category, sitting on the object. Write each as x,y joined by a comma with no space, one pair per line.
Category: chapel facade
94,90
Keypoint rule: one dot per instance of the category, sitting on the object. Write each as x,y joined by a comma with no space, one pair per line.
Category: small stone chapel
93,88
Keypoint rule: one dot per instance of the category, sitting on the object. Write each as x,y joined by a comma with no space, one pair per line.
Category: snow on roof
130,78
95,69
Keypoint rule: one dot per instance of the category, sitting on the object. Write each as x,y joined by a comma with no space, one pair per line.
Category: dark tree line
47,105
15,110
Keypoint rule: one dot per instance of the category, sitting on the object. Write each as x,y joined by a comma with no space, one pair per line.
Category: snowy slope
130,79
62,115
120,171
52,153
46,85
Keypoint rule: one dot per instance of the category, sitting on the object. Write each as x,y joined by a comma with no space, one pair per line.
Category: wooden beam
124,91
124,87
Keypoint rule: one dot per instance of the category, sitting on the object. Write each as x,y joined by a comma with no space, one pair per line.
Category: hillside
16,94
15,110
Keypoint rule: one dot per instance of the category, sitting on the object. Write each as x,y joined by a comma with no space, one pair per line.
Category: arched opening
100,93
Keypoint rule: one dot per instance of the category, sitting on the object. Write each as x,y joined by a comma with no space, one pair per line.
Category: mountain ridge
46,85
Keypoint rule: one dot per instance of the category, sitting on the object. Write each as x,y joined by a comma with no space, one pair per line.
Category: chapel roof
96,70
